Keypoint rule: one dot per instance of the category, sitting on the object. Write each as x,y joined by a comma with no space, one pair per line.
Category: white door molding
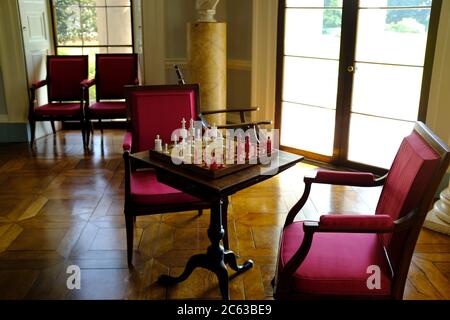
264,57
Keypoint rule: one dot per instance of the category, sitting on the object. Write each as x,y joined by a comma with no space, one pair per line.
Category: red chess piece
247,147
213,165
221,166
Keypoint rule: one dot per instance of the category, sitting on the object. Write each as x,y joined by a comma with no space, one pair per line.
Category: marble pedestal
438,219
207,49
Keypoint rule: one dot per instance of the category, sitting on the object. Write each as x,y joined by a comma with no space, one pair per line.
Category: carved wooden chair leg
129,223
52,122
32,131
100,126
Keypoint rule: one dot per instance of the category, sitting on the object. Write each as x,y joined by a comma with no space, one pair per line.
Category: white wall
438,116
238,16
12,64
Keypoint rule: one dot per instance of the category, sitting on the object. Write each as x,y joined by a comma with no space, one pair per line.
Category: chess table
215,191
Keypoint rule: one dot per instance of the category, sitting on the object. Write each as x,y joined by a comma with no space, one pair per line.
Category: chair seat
59,109
145,189
336,263
110,109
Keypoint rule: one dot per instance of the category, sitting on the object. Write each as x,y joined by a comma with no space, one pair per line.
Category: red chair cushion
108,109
59,109
145,189
336,264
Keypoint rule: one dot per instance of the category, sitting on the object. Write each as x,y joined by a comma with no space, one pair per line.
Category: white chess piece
158,144
206,137
175,139
198,155
183,132
230,151
240,151
187,151
219,149
214,131
191,129
166,148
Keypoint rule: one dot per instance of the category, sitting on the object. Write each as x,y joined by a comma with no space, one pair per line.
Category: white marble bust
206,10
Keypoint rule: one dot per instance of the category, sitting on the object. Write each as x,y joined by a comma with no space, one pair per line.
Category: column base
432,222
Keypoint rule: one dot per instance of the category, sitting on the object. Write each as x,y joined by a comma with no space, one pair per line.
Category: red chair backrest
158,110
413,173
64,74
113,72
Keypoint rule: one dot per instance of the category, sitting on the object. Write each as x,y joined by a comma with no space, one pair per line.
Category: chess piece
269,146
198,149
217,146
240,151
213,165
183,131
214,132
192,129
175,139
229,151
187,151
221,162
166,148
158,144
206,138
182,146
207,155
247,147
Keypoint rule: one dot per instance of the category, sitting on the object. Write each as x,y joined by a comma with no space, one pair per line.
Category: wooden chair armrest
243,125
357,179
229,111
38,84
87,83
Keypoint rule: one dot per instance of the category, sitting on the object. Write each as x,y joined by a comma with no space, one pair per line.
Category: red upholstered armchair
113,72
65,98
336,256
154,110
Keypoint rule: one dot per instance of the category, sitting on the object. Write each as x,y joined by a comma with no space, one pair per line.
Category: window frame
55,32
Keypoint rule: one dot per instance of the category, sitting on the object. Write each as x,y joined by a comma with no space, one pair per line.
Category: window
353,76
87,27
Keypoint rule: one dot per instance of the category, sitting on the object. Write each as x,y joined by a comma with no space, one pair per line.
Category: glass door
388,77
310,75
353,77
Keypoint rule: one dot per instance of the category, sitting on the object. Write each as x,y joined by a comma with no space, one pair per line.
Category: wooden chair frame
410,223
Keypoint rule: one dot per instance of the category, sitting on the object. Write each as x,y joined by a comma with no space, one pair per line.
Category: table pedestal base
215,259
219,268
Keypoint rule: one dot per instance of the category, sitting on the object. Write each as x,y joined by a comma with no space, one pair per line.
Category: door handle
351,69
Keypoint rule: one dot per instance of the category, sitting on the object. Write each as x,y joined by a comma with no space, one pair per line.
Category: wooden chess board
204,169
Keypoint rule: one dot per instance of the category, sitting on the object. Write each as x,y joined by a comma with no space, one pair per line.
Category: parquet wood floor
60,206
